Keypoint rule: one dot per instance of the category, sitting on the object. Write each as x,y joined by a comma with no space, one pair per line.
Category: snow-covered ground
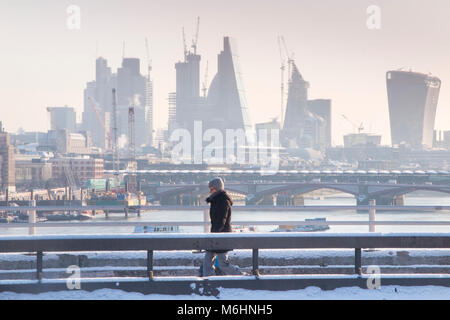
311,293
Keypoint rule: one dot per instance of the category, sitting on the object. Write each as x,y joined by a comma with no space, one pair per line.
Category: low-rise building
33,172
80,169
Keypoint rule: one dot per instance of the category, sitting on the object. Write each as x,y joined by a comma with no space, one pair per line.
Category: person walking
220,214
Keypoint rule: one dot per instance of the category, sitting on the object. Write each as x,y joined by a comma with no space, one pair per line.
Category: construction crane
184,45
102,123
149,61
131,151
282,68
195,40
115,146
290,57
360,128
205,81
148,98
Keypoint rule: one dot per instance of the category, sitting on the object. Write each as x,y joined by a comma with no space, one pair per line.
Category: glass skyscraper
413,99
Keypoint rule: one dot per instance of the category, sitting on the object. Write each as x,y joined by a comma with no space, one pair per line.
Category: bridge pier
283,200
399,200
290,200
384,199
267,200
171,200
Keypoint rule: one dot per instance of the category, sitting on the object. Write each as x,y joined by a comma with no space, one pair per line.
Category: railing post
206,221
39,265
255,258
150,264
358,269
32,217
372,213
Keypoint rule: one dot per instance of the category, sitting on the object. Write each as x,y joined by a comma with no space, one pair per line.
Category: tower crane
290,57
102,123
114,145
195,40
149,61
282,68
360,128
205,81
184,45
132,166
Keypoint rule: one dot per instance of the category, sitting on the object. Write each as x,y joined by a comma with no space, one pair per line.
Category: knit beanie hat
216,183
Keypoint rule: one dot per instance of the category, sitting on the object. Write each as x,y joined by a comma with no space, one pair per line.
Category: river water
432,199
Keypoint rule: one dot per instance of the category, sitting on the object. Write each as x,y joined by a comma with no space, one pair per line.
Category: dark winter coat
220,213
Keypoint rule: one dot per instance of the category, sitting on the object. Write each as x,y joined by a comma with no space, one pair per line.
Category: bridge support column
39,256
206,221
269,200
399,200
372,213
358,268
297,200
255,262
150,264
284,200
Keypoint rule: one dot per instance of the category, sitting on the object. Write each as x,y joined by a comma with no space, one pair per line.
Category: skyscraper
302,128
226,97
7,162
322,108
190,106
413,99
97,103
63,118
132,89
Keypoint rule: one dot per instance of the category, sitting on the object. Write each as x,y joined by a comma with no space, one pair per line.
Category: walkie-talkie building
413,99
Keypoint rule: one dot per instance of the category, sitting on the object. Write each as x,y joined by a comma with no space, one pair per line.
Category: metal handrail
236,223
235,208
219,241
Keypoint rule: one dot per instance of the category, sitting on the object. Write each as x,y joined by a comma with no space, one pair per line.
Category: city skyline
63,60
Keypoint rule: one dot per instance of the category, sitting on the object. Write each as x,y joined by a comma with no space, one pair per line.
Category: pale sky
43,63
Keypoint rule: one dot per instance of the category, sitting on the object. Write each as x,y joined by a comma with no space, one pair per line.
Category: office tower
62,118
322,108
172,123
149,110
226,97
97,104
7,162
413,99
301,128
190,106
132,89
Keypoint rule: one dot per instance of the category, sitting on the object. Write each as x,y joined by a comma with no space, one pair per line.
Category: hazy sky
43,63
